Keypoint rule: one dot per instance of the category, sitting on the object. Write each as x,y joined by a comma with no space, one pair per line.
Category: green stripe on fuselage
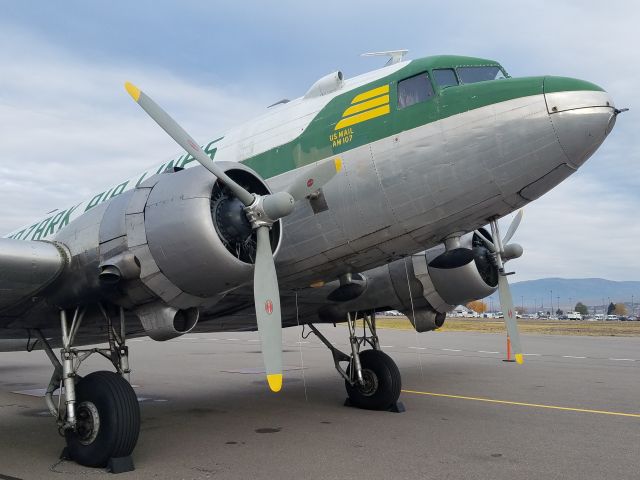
320,140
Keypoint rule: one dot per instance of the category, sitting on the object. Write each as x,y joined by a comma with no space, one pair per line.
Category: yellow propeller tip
519,358
338,163
275,381
132,90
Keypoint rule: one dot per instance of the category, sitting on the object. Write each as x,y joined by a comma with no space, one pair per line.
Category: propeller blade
487,242
506,303
267,303
182,138
513,227
314,179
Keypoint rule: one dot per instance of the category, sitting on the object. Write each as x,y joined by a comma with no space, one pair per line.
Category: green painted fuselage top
321,139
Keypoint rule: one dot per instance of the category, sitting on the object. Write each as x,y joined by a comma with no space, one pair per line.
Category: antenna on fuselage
395,56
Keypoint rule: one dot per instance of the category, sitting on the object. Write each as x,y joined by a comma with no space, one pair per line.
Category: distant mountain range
590,291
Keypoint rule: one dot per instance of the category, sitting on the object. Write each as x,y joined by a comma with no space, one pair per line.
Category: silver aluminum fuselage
401,194
409,191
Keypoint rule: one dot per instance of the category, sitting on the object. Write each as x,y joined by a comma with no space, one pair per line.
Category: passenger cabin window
445,77
479,74
414,90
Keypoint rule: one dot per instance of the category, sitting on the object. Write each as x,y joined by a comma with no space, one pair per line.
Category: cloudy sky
67,129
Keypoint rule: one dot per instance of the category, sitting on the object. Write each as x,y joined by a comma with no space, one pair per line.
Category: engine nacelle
463,272
192,225
425,286
178,241
443,277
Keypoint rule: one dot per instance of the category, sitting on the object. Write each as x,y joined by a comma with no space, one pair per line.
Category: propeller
262,212
503,253
515,223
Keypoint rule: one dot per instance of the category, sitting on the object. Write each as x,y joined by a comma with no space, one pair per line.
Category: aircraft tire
109,399
382,382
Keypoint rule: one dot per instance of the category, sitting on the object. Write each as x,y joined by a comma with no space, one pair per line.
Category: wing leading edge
26,267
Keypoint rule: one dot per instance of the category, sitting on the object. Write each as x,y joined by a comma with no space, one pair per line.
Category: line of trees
479,306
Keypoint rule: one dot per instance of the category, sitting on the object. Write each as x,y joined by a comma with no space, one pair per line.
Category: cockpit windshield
479,74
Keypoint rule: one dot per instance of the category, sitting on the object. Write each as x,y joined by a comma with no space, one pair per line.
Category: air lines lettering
340,138
52,224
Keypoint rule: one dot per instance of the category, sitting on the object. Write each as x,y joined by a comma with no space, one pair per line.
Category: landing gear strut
371,377
100,419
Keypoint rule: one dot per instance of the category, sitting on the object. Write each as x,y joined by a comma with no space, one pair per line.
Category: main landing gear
371,377
100,418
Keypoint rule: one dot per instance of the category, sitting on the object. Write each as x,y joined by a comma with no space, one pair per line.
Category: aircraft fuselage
421,161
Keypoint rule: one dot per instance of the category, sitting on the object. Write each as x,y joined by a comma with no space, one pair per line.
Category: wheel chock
120,464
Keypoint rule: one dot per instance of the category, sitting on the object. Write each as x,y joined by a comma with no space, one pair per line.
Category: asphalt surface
208,414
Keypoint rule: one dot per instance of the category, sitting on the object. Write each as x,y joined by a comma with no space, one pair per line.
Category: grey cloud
69,129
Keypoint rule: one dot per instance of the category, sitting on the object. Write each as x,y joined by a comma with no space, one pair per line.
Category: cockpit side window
480,74
445,77
414,90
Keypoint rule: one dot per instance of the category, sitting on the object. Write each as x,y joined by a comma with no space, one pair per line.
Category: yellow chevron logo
365,106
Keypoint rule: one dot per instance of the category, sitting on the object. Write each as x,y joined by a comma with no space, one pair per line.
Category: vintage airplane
365,194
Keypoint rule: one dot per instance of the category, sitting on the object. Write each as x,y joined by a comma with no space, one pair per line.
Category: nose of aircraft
582,114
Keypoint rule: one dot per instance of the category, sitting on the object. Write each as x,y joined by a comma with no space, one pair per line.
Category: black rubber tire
119,414
387,376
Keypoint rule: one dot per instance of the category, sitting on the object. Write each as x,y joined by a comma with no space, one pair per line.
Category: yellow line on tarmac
522,404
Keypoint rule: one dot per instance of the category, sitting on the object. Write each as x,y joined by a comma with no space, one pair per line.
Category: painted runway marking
622,359
386,346
523,404
451,350
571,356
532,354
254,340
232,339
418,348
486,351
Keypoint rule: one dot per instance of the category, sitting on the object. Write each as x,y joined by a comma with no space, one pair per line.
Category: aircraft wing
26,268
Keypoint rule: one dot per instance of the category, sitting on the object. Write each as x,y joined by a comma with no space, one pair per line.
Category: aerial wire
406,271
304,380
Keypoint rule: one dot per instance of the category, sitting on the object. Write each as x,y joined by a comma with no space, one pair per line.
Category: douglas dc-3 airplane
365,194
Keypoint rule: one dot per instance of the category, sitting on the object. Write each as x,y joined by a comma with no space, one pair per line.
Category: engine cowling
464,271
424,286
189,240
443,277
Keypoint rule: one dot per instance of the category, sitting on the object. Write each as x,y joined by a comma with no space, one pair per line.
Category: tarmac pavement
572,411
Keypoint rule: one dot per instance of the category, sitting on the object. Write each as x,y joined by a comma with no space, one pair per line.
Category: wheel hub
87,422
369,383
